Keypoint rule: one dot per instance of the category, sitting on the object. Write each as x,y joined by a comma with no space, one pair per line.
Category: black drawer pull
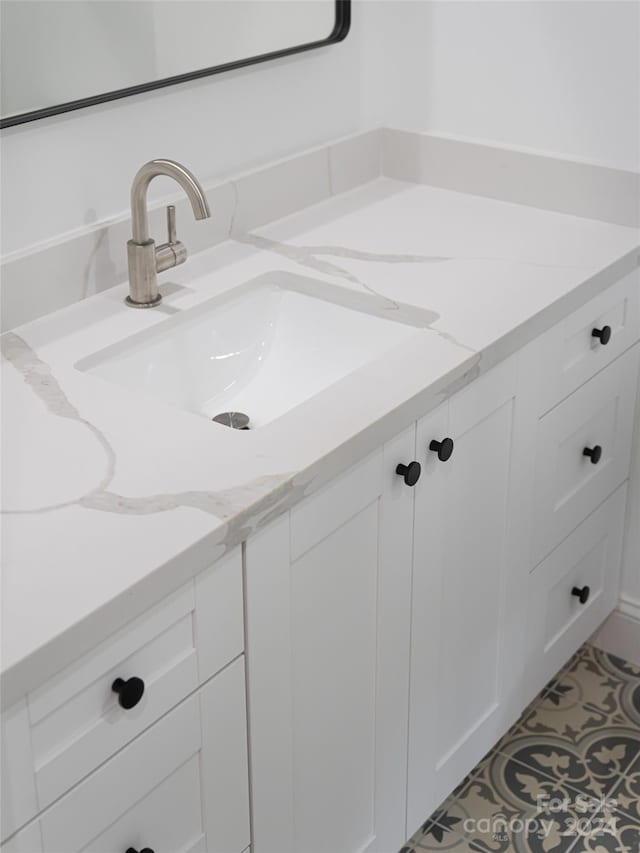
603,335
410,473
581,593
144,850
129,692
443,448
594,453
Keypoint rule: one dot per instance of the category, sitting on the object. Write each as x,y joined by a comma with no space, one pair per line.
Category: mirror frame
339,32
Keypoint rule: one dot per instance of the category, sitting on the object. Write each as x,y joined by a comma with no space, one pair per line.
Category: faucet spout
145,259
144,176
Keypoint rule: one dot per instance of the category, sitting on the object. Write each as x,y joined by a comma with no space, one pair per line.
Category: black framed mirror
63,55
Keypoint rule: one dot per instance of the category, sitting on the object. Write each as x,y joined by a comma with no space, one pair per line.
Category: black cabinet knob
443,448
603,335
410,473
144,850
130,692
581,593
594,453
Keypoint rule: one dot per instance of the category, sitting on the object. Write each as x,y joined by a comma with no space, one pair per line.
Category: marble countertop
112,500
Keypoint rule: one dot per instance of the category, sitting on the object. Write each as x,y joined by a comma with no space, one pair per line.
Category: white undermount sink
262,348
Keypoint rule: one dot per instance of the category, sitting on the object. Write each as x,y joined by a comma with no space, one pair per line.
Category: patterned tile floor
564,779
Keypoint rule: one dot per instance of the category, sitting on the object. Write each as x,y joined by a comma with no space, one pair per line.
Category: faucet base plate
129,301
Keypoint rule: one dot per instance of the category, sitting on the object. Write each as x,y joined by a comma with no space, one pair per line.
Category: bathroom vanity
299,637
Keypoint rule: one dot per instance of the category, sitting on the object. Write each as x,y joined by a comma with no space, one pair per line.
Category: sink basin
261,349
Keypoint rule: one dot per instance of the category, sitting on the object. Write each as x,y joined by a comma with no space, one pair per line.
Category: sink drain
235,420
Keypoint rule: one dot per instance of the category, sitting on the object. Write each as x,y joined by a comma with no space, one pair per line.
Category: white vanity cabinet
161,764
328,591
584,408
365,587
181,787
394,626
467,603
583,461
372,603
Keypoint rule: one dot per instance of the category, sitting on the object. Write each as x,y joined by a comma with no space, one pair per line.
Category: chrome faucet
146,259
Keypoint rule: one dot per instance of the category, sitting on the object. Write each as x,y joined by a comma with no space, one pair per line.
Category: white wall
556,76
561,76
195,34
63,173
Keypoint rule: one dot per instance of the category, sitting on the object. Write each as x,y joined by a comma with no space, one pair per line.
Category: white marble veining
112,499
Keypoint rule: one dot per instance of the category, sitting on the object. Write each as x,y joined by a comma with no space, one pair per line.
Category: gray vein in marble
270,507
290,251
236,204
447,336
223,505
305,256
376,257
38,376
400,258
472,372
101,235
330,171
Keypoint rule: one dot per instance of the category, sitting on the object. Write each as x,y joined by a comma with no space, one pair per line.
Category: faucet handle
171,223
173,252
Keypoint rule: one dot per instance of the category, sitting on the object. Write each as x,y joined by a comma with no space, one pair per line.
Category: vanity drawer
78,721
588,561
568,484
573,354
181,787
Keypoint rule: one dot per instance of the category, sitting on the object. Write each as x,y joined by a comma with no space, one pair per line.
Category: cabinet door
328,609
180,787
466,644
